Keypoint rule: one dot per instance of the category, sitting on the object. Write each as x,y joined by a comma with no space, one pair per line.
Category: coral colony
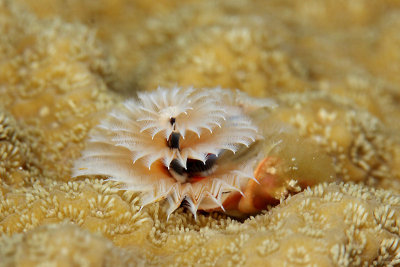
169,144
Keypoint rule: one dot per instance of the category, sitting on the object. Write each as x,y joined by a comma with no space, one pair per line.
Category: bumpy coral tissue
327,156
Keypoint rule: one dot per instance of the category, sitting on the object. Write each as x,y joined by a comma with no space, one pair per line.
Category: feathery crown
167,144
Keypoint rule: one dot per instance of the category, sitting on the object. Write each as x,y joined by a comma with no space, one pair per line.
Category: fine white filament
131,145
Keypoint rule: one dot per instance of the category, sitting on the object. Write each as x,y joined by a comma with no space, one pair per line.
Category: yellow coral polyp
330,65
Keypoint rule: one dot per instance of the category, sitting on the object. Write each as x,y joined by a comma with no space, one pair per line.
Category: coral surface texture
331,68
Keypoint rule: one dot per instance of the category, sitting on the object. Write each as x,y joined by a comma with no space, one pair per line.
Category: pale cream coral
73,247
240,53
54,85
362,148
340,225
17,158
52,77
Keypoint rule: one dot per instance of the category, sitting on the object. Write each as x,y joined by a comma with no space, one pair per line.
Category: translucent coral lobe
167,144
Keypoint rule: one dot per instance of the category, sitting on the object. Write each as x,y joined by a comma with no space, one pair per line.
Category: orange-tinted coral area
331,66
